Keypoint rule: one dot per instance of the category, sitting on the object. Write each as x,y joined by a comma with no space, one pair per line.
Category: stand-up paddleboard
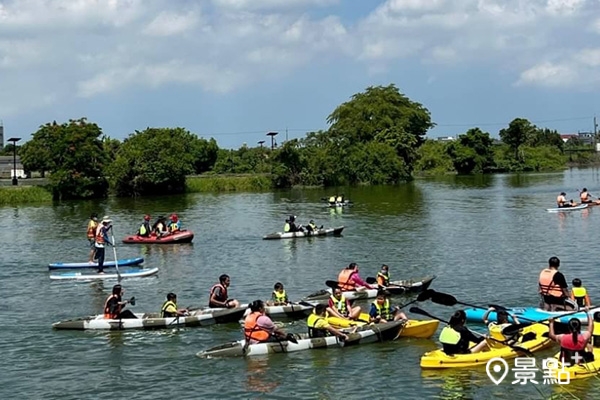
88,276
126,262
561,209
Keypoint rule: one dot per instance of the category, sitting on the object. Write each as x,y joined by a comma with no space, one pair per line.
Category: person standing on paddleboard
102,241
91,235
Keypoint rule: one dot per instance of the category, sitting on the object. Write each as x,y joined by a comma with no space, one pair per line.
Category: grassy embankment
228,183
12,195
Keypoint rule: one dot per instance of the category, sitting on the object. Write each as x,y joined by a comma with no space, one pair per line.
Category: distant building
6,167
446,138
586,137
565,137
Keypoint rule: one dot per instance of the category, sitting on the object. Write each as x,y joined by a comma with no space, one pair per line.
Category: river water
485,237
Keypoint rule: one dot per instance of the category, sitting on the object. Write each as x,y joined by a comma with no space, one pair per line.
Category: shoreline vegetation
378,137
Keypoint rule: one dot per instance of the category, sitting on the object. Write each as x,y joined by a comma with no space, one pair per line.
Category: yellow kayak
580,371
413,328
439,359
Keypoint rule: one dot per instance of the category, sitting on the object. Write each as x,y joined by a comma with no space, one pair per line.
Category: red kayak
184,236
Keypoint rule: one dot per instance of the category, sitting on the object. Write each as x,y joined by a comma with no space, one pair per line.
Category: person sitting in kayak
586,197
312,227
91,235
381,310
319,327
174,224
596,332
553,286
101,241
340,199
573,345
278,297
455,337
349,279
160,226
495,328
332,200
561,201
341,307
169,308
218,294
113,307
383,276
579,294
145,229
290,225
258,328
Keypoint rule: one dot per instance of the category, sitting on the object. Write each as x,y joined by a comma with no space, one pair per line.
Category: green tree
519,132
73,154
546,137
385,115
288,165
433,158
472,152
153,161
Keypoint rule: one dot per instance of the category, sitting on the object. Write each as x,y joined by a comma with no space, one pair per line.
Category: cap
174,217
106,218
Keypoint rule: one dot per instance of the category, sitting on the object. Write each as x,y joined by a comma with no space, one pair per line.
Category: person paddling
349,279
455,337
561,201
101,241
495,328
218,294
290,225
91,235
319,327
586,197
113,307
169,308
574,344
258,328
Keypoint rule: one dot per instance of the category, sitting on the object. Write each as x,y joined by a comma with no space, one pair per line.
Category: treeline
377,137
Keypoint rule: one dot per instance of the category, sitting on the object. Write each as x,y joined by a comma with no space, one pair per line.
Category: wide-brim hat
106,218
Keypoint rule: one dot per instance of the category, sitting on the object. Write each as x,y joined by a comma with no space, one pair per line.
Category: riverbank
12,195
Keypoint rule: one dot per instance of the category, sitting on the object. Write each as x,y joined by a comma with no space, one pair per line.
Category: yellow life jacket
496,333
449,336
340,305
279,297
339,199
384,310
286,227
166,305
332,199
143,229
579,295
313,227
312,331
596,335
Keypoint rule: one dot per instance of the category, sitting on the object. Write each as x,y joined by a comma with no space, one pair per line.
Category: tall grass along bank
228,183
10,195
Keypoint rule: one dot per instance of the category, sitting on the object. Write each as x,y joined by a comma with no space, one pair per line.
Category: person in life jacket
349,279
101,240
561,201
160,226
258,328
174,224
145,229
91,235
574,345
169,308
290,225
312,227
495,328
332,199
553,286
586,197
579,294
596,332
339,199
114,304
278,296
382,311
383,276
319,327
341,307
218,294
455,337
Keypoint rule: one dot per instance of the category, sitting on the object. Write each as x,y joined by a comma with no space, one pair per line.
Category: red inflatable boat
184,236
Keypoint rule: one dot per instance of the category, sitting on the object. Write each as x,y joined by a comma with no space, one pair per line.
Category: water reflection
453,384
529,180
256,375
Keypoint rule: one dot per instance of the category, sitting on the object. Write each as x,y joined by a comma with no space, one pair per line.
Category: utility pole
286,137
595,134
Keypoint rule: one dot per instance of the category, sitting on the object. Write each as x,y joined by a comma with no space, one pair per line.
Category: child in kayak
579,294
278,296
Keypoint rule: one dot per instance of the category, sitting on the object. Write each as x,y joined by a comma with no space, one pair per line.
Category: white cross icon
577,357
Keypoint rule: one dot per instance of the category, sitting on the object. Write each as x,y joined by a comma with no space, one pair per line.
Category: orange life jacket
252,330
107,313
344,279
99,235
547,285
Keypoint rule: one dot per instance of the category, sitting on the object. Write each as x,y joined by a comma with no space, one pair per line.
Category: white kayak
202,317
365,334
87,276
293,235
562,209
287,312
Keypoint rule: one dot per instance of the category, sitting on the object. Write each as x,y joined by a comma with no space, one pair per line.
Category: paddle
417,310
512,329
114,246
333,284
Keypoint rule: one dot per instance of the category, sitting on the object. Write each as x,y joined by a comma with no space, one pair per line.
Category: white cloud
548,74
254,5
168,24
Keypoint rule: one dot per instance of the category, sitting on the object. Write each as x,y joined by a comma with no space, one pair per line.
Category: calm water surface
486,238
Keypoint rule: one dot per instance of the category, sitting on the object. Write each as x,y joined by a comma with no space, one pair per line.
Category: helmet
146,217
174,217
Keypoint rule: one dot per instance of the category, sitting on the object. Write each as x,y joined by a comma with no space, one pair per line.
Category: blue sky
236,69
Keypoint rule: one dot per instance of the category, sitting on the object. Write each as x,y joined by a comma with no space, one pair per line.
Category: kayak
532,313
413,328
364,334
184,236
579,371
107,264
345,203
400,287
288,312
293,235
87,276
561,209
439,359
202,317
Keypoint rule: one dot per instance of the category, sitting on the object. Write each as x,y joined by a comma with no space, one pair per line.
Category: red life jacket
222,297
569,349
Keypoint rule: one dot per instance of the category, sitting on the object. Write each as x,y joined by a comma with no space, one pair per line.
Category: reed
228,183
11,195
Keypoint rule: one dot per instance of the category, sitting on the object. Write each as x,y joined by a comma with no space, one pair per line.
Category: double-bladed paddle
417,310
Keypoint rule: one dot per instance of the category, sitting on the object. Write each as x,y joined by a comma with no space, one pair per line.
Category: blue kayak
122,263
531,313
